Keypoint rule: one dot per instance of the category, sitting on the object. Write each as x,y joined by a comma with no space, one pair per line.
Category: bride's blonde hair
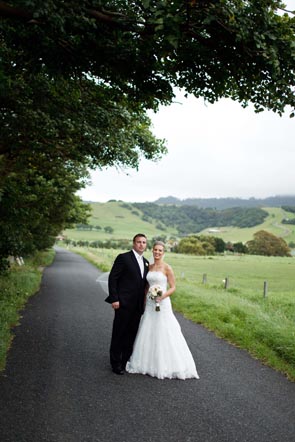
159,243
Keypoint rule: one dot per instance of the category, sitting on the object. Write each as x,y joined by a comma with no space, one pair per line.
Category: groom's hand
116,305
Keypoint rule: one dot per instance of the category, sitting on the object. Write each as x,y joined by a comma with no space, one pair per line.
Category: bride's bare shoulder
168,269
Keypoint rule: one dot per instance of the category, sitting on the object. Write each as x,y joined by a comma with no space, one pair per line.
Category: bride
160,349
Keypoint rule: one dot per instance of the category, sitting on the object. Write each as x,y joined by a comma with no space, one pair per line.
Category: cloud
215,150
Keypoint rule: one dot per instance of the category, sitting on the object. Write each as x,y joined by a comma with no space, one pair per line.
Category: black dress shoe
118,370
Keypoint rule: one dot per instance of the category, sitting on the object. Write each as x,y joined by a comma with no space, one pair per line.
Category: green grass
272,224
121,219
264,326
241,314
15,289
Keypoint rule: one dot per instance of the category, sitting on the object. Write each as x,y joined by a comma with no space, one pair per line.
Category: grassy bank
264,326
15,289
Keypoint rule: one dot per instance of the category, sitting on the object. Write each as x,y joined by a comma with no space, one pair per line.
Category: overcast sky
219,150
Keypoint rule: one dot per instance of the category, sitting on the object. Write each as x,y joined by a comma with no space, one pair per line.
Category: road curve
58,386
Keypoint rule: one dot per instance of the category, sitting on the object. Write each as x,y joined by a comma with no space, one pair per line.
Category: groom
127,282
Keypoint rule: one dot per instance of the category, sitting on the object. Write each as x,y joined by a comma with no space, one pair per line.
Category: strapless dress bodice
157,278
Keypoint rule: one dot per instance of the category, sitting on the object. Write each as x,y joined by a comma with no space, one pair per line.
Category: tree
78,76
195,245
265,243
52,128
35,206
109,229
219,245
241,49
239,247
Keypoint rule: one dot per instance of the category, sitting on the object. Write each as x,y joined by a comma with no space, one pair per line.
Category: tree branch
118,20
12,12
102,16
286,10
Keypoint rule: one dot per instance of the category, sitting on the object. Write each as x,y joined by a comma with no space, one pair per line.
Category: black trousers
125,328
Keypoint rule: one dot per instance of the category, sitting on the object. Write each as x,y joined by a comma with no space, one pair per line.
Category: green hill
125,219
272,224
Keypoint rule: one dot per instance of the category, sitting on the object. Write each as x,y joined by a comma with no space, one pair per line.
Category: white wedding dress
160,349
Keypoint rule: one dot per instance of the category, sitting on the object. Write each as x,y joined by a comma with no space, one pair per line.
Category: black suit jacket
126,284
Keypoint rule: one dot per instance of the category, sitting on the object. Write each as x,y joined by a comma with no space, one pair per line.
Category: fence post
265,289
204,278
226,283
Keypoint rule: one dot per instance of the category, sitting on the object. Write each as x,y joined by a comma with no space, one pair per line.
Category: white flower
154,292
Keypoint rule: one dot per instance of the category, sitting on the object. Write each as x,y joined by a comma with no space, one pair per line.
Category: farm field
264,326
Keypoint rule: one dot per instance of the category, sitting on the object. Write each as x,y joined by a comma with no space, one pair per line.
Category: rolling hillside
126,220
123,218
271,224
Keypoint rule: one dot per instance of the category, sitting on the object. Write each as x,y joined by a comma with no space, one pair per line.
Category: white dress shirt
140,261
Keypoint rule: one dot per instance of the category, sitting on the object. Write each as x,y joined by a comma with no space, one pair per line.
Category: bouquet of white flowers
154,292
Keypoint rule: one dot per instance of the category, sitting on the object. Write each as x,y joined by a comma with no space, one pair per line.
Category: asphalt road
58,386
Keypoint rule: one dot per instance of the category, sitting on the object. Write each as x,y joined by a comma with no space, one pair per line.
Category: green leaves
265,243
212,49
78,76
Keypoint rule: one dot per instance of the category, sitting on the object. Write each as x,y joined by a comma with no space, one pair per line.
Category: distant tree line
100,244
200,245
90,227
290,209
288,221
227,203
263,243
192,219
123,244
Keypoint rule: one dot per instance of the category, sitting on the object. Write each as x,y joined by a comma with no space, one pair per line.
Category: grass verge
252,324
15,289
264,326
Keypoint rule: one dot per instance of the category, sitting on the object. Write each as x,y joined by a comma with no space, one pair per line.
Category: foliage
114,215
219,245
52,129
36,204
77,78
285,202
239,247
15,289
288,221
265,243
199,245
99,244
242,49
108,229
192,219
289,208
